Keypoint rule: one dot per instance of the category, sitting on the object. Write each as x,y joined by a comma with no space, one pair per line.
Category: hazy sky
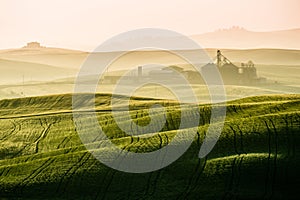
85,24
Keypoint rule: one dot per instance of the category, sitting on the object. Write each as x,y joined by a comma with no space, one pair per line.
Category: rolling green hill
13,72
46,71
256,157
74,59
65,58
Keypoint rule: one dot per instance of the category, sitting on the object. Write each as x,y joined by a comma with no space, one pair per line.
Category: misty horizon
210,40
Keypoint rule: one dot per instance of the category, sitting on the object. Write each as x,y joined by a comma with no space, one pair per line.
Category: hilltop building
33,45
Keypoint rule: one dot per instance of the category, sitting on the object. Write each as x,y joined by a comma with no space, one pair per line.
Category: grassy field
74,59
67,86
256,157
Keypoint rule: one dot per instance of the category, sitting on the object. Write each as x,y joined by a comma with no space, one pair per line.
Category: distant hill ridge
74,59
240,38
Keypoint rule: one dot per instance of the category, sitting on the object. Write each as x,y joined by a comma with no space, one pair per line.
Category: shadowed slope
41,155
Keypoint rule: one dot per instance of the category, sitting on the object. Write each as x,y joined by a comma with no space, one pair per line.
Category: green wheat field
256,157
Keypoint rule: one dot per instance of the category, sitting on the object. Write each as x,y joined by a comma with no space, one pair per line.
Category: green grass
256,157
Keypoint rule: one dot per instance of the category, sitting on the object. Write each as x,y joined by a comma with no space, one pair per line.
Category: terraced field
256,157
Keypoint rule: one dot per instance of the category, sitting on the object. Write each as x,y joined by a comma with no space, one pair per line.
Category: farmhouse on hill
33,45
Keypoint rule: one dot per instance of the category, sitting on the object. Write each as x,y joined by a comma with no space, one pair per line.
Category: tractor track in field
4,172
234,139
106,188
107,174
158,173
45,132
160,141
189,189
35,173
107,181
275,157
63,143
19,153
152,181
146,193
239,172
241,140
78,166
17,128
289,144
42,135
129,189
268,191
195,178
11,132
228,192
293,136
153,186
234,180
129,193
94,162
58,189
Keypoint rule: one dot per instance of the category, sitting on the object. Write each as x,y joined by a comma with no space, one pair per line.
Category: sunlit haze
85,24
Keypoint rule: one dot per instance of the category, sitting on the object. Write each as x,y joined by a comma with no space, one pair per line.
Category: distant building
229,73
33,45
232,74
